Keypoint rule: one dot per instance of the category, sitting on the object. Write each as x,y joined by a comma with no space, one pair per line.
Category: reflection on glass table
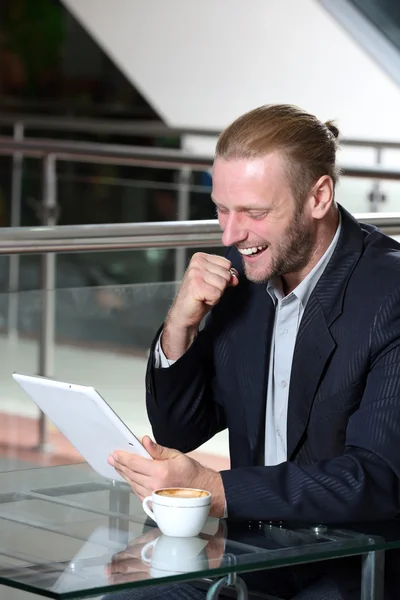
65,532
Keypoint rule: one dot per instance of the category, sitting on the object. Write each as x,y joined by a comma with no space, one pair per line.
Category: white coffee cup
179,512
174,555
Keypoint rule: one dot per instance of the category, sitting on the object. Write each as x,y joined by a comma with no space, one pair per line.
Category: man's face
259,215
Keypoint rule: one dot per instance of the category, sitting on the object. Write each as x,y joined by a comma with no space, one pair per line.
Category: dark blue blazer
343,427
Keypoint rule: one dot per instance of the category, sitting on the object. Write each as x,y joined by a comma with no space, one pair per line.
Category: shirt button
283,384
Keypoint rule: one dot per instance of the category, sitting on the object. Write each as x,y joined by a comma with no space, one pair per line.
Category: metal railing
138,236
122,236
51,238
139,128
50,151
91,152
122,154
22,123
81,238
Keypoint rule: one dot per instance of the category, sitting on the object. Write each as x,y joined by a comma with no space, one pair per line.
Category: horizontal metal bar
104,153
112,230
125,236
377,172
370,143
141,128
380,220
151,157
107,244
89,238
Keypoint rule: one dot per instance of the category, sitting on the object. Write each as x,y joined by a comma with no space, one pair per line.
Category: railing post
48,266
376,196
13,275
185,176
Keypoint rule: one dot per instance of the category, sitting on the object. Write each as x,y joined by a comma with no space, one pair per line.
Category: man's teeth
249,251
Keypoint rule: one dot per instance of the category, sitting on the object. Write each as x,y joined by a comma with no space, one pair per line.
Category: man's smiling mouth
253,250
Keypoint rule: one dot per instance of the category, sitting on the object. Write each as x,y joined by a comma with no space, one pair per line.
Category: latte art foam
182,493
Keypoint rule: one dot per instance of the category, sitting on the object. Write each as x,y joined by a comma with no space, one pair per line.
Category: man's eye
258,216
220,211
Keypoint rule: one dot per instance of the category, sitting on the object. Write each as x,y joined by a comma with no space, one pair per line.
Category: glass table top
66,532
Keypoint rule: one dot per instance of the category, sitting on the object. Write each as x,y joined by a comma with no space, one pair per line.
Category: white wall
203,62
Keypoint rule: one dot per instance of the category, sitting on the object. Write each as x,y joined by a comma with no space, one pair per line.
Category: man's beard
292,254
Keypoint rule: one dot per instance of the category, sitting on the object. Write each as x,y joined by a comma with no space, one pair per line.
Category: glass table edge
203,574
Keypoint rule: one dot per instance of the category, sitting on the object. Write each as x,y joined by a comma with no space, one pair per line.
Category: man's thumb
156,451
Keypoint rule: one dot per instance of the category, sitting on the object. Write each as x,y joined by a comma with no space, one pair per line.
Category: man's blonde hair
308,145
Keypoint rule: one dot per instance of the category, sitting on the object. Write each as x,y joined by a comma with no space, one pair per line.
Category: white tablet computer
86,420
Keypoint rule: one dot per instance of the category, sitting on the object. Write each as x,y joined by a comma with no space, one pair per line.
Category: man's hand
203,285
169,468
215,548
128,564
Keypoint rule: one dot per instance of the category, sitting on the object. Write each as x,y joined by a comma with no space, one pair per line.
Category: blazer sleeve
363,483
180,400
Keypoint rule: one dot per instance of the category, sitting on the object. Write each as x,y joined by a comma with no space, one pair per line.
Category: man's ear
321,197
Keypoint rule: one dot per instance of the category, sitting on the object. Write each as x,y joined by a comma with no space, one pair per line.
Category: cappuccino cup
179,512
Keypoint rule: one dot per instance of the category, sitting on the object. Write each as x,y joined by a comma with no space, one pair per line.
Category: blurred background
109,114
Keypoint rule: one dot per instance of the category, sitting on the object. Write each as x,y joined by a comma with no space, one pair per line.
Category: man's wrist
176,340
160,360
216,487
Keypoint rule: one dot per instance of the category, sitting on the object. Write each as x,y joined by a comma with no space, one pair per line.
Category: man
300,353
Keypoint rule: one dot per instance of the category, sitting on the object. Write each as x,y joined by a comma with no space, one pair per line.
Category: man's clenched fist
203,285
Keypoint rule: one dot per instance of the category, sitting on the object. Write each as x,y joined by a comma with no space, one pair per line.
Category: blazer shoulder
377,273
381,256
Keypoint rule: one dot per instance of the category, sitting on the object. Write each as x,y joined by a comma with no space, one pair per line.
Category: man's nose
233,232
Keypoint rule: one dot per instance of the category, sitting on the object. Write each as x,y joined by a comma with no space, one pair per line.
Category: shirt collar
304,290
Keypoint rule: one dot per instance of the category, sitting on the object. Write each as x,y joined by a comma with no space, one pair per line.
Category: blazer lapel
314,346
314,343
255,342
